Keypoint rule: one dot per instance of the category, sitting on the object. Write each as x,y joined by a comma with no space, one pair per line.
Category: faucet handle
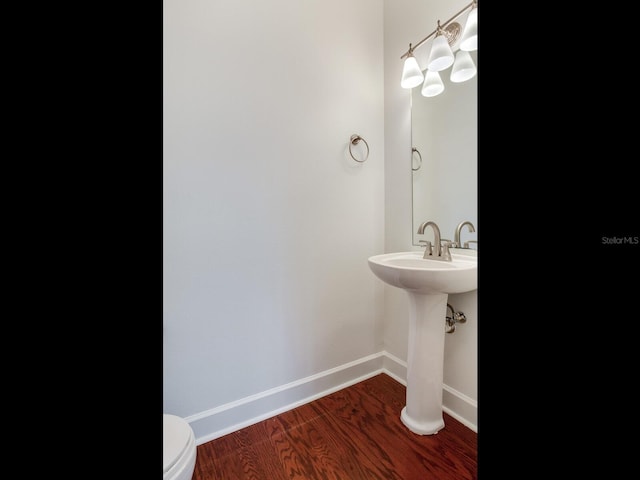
444,252
466,244
449,242
428,251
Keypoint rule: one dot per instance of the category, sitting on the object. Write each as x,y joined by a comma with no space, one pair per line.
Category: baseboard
461,407
233,416
394,367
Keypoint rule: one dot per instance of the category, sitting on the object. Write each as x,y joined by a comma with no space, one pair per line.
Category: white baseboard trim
233,416
394,367
461,407
227,418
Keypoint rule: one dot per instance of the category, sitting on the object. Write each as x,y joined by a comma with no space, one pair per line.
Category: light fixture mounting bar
436,30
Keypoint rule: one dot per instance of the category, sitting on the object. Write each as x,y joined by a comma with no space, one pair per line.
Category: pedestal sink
428,284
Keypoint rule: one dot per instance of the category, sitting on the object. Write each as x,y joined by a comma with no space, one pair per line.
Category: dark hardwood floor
353,434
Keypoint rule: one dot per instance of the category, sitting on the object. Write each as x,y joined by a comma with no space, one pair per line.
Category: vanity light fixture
463,67
432,85
442,56
469,40
411,72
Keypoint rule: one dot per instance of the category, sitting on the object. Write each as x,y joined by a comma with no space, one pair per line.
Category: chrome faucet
438,251
456,239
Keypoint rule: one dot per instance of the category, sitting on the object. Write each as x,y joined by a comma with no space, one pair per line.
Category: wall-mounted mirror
444,160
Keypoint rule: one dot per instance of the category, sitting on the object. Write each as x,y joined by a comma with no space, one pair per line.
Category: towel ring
355,139
415,150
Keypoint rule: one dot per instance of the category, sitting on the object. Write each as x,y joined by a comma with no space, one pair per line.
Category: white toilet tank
178,448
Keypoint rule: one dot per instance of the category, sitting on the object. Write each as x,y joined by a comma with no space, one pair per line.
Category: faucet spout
456,239
436,252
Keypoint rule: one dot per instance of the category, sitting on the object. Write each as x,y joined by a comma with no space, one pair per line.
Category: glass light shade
463,67
411,73
432,85
441,56
469,39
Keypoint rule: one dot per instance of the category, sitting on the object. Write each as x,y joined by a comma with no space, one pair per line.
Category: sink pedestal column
423,411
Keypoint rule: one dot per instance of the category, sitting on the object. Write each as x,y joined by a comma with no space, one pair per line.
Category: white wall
409,21
268,221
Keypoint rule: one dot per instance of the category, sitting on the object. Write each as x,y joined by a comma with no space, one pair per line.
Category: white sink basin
409,271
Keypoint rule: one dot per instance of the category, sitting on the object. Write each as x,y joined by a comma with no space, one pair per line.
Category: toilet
178,448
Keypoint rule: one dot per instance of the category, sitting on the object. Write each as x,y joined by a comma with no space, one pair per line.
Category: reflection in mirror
444,158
